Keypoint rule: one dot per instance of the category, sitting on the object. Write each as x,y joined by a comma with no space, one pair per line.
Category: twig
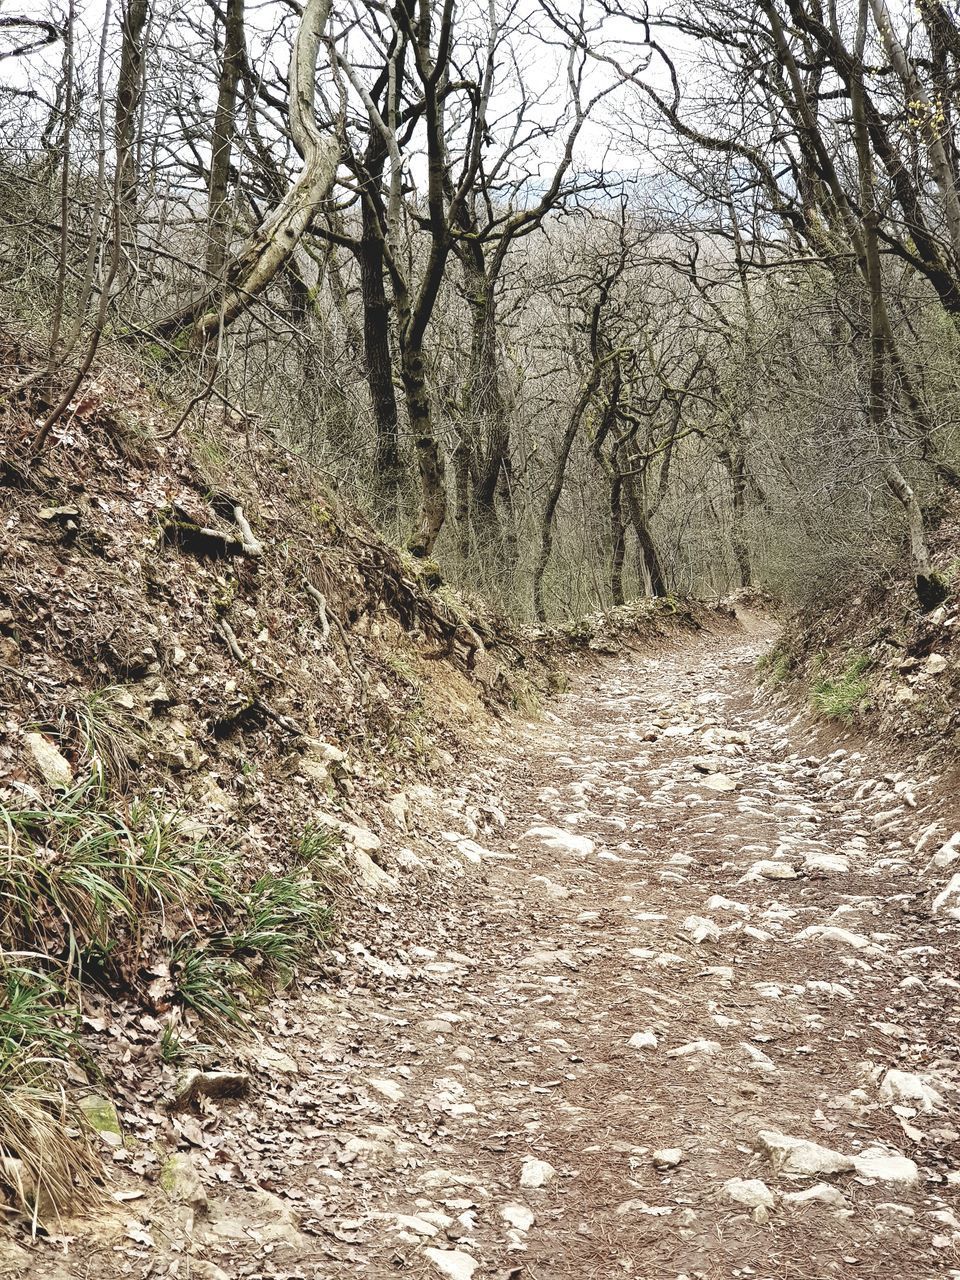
321,602
230,637
251,546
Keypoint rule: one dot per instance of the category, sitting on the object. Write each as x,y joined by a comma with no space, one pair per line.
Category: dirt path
642,962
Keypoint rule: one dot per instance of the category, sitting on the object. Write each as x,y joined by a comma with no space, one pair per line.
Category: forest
581,301
479,639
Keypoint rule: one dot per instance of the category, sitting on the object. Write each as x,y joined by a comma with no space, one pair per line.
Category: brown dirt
497,1003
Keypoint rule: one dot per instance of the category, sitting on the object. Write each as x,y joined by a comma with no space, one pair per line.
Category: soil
605,888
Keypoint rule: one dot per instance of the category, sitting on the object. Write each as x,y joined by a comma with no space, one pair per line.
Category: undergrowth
91,887
841,697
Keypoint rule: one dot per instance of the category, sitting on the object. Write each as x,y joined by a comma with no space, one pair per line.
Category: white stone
667,1157
906,1087
535,1173
830,863
642,1040
517,1216
768,869
419,1226
54,768
831,933
705,1047
698,929
719,903
881,1165
565,841
799,1158
719,782
452,1263
819,1193
752,1192
935,664
948,899
389,1088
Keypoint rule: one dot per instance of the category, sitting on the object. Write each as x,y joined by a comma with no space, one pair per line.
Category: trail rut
697,925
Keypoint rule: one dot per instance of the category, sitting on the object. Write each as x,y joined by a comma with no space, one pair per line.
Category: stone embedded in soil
799,1158
696,1048
53,767
828,863
905,1087
831,933
819,1193
517,1216
180,1181
768,869
193,1085
882,1165
564,841
419,1226
753,1193
388,1088
101,1115
535,1173
667,1158
719,782
698,929
642,1040
452,1263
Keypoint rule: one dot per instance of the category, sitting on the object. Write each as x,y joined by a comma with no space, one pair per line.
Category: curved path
689,1013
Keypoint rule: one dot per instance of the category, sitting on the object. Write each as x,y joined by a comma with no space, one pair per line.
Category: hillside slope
234,718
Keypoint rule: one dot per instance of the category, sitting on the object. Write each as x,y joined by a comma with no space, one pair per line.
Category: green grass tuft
841,697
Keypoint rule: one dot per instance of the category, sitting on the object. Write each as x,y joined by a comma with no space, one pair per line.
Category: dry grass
47,1164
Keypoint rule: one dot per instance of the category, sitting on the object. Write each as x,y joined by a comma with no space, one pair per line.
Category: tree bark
273,243
224,129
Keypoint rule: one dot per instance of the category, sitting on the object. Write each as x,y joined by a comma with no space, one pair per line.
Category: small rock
29,1198
798,1158
180,1180
705,1047
389,1088
667,1158
751,1192
272,1061
881,1165
419,1226
935,664
101,1115
905,1087
829,863
819,1193
698,929
517,1216
768,869
200,1269
719,782
642,1040
196,1084
535,1173
453,1263
53,767
831,933
565,841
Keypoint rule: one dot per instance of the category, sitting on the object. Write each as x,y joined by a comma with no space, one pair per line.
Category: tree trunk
273,243
379,360
224,128
651,568
618,532
129,94
433,494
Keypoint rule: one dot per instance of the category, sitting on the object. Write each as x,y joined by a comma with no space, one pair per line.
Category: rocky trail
689,1010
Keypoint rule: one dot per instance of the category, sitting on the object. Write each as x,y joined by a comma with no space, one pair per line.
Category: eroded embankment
683,1003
